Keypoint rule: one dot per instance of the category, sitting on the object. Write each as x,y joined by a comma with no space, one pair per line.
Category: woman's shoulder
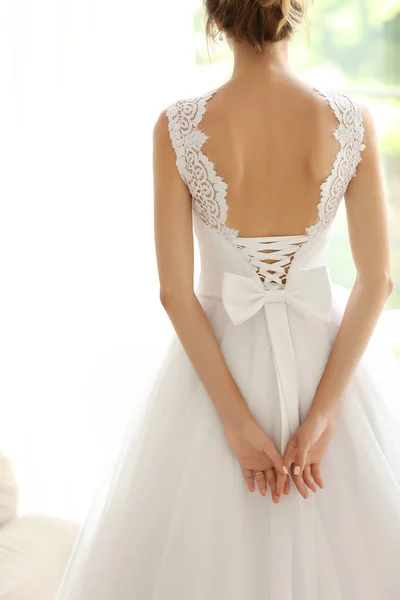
340,100
348,107
183,112
353,114
190,101
180,119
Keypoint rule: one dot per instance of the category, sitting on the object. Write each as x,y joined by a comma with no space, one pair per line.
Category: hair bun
291,11
255,21
268,3
285,5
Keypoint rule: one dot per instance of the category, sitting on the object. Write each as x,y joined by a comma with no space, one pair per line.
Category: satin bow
308,292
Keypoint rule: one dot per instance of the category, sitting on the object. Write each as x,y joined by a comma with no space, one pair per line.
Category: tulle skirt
174,520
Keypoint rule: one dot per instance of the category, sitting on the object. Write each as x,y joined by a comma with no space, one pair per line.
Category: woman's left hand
305,450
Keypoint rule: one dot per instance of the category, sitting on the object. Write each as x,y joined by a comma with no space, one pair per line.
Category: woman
268,465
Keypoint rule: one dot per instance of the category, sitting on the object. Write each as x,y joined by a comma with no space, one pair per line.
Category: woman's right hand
305,450
255,451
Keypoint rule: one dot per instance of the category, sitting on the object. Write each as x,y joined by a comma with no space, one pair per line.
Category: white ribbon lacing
271,257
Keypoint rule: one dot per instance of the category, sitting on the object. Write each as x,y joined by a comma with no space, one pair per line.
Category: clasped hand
257,453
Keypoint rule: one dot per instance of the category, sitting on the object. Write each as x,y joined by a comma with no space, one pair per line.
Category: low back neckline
272,238
224,205
209,190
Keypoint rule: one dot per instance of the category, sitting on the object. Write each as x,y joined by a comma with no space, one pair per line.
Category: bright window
352,47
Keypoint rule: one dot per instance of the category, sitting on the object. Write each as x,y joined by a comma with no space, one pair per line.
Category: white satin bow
308,292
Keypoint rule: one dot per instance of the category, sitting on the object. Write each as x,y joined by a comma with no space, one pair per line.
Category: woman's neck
249,63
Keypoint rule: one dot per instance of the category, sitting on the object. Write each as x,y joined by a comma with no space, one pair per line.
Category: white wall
81,330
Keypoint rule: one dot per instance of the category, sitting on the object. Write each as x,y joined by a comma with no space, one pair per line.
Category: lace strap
350,132
184,117
176,137
208,190
350,135
359,129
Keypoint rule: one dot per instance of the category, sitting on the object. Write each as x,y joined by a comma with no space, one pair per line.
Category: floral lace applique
350,135
208,190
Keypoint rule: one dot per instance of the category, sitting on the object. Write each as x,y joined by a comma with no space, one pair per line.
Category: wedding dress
175,521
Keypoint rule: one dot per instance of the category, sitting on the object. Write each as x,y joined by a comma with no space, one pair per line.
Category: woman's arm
175,258
369,239
370,245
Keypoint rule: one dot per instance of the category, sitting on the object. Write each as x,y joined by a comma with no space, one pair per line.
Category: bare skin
260,113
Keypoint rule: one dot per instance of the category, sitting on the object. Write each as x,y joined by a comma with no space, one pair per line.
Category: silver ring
258,472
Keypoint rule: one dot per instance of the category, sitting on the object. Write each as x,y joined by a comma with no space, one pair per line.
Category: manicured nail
285,471
297,470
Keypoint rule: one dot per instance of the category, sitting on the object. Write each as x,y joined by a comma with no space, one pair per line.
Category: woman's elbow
172,299
382,283
386,284
166,298
389,285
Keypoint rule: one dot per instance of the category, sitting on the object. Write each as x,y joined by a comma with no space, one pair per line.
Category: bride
268,462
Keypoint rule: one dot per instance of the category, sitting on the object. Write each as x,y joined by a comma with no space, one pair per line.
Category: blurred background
81,328
352,46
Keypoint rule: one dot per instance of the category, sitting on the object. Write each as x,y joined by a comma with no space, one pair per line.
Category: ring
257,473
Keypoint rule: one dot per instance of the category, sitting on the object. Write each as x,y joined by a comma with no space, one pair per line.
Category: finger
299,483
290,454
261,482
281,479
272,453
249,477
280,482
301,458
286,489
309,479
272,479
281,471
316,473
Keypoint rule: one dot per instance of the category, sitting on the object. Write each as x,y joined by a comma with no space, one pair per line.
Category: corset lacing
271,257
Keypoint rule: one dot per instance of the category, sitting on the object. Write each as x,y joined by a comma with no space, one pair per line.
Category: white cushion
34,553
8,491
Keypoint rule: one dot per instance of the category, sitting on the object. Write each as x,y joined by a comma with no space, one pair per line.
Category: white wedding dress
174,520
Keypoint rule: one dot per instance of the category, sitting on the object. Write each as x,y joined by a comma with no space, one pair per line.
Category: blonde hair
254,21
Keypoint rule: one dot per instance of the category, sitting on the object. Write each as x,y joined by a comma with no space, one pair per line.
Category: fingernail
297,470
285,471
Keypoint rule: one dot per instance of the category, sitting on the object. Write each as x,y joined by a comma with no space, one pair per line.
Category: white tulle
173,519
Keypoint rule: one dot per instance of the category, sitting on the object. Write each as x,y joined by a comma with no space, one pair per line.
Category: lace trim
350,134
208,190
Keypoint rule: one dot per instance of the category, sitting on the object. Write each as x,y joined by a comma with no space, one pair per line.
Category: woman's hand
255,451
306,448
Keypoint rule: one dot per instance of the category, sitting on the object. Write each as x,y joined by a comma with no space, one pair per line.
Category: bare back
267,166
274,147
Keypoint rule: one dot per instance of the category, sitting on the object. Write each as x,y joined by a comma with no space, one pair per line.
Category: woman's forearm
365,304
201,346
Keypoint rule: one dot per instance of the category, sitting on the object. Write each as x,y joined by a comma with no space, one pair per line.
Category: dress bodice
222,247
